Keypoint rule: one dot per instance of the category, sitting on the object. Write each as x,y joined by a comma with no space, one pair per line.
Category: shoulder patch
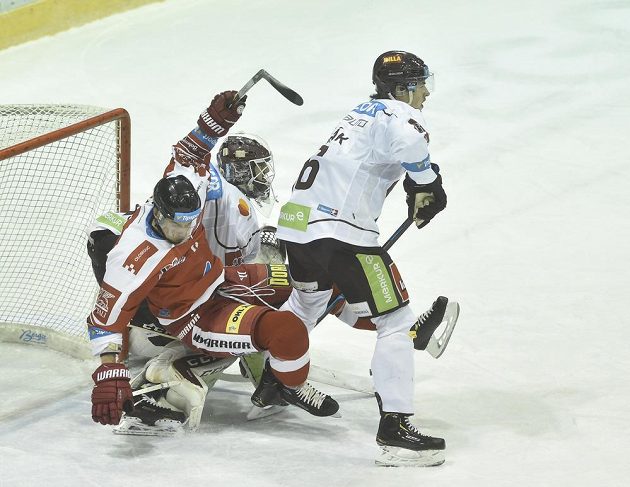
138,257
370,108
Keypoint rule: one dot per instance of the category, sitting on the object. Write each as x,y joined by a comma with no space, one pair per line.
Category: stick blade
283,89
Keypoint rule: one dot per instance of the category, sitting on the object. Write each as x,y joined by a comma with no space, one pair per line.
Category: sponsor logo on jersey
327,209
242,275
105,301
112,220
215,187
234,321
206,139
174,263
138,257
96,332
279,275
207,267
164,313
32,336
355,122
380,282
370,108
243,207
423,165
294,216
396,58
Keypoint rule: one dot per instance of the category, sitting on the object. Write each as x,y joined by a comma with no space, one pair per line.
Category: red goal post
61,166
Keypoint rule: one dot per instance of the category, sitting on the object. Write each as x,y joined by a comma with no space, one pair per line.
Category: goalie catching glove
218,118
425,200
111,394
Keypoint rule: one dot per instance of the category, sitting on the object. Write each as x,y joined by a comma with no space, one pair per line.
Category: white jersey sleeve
341,190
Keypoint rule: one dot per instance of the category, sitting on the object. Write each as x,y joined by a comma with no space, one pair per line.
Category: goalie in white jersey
329,226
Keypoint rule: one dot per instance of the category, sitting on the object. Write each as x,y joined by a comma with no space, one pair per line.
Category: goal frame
49,338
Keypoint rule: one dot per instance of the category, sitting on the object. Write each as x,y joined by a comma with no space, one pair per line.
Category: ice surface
530,126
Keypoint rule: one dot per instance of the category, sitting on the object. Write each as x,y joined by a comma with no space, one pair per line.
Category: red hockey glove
111,394
217,119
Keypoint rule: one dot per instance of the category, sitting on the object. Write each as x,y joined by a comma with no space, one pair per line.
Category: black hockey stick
386,246
283,89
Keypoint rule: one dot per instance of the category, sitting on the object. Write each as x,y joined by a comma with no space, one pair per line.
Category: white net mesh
49,197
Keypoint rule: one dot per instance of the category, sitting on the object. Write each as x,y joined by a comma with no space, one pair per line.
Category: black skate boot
150,419
268,391
427,323
403,445
271,392
311,400
422,332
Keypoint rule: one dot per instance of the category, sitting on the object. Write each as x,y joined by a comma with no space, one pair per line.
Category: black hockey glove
424,201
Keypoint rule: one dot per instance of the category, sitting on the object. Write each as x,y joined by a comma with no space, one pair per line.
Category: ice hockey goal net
61,166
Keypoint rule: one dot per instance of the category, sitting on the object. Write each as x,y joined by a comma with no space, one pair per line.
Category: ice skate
402,444
150,419
271,392
422,332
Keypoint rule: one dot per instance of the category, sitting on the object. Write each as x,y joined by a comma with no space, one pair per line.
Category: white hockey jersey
231,226
341,190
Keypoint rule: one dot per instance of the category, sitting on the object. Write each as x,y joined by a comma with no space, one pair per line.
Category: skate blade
437,345
392,456
135,426
257,413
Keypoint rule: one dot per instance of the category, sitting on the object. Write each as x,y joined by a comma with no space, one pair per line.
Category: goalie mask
246,162
177,207
402,76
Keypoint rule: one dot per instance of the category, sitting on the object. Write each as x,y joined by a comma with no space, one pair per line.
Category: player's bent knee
398,321
283,334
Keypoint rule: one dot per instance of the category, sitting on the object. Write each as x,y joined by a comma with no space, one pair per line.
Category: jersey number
309,171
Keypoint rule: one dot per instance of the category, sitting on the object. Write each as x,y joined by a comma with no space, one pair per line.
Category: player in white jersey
330,228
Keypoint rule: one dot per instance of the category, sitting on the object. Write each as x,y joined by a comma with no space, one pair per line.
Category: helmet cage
247,163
